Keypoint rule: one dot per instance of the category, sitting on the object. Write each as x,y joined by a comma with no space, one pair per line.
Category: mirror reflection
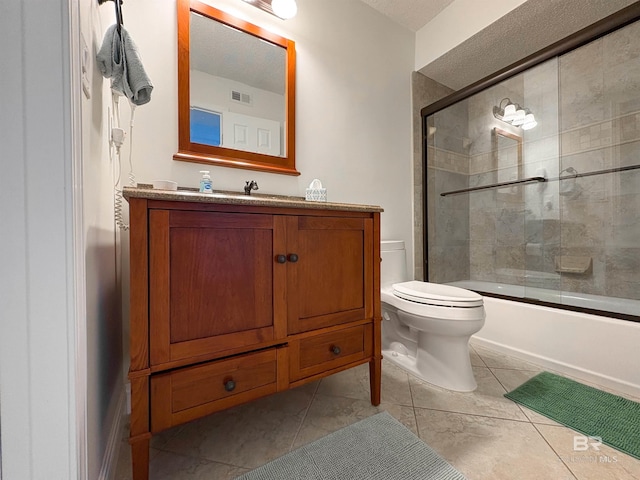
237,93
507,151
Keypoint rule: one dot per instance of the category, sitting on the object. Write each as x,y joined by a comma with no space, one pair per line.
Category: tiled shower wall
425,91
448,218
592,97
600,125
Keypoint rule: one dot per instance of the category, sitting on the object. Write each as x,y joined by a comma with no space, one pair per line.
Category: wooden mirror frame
516,193
228,157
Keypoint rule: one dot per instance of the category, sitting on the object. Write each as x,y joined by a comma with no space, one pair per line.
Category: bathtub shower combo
532,198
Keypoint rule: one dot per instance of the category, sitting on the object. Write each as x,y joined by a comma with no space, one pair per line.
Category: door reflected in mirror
236,90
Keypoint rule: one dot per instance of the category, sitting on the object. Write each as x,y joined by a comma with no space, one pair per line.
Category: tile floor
482,434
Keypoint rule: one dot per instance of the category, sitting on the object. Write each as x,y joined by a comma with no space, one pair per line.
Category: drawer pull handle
293,258
281,258
335,350
229,385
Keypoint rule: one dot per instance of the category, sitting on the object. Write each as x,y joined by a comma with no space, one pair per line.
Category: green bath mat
584,409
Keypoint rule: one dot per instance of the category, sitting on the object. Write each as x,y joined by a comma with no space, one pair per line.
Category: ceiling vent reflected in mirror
241,97
283,9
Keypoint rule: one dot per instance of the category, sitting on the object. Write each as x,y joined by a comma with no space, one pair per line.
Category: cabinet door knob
335,350
281,258
293,258
229,385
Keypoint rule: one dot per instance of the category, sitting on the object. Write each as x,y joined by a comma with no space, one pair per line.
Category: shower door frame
613,22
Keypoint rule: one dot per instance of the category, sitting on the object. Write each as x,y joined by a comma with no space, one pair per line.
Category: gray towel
119,60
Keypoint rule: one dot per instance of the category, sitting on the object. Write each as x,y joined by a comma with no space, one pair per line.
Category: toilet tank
393,268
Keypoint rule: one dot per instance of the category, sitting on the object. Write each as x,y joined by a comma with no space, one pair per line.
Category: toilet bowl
426,327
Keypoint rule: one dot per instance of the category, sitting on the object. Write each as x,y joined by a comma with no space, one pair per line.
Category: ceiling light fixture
283,9
514,114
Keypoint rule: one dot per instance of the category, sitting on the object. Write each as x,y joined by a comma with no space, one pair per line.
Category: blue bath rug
376,448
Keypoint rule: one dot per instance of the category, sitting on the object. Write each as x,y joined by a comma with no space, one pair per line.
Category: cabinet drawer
316,354
189,393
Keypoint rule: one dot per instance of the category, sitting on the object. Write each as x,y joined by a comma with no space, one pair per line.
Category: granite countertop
236,198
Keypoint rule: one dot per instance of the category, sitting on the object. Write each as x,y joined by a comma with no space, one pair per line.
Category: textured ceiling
413,14
525,30
244,58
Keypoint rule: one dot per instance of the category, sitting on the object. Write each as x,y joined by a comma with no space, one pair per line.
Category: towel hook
118,4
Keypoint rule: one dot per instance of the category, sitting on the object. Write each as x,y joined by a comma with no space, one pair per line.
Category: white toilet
426,326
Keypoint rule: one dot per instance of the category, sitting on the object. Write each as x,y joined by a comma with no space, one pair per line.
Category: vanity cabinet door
213,283
329,271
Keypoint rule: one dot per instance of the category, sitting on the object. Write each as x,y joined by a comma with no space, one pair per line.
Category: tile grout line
304,417
413,405
528,420
202,459
478,355
554,450
520,407
474,415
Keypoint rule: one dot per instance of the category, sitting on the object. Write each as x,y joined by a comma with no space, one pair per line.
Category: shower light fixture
529,121
283,9
514,114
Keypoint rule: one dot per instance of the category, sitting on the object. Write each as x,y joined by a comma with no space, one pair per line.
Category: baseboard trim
561,367
112,452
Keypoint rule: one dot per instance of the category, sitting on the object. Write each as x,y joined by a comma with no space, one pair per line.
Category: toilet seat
436,294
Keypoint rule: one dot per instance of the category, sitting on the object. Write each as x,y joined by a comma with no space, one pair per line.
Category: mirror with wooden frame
236,92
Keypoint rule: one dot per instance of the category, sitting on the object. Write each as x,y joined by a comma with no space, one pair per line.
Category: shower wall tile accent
449,161
617,131
481,163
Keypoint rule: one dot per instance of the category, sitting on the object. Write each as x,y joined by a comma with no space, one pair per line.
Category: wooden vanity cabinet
230,303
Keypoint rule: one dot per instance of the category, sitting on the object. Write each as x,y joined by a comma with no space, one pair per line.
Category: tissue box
315,192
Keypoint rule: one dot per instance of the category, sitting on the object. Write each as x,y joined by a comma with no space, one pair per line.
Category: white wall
37,287
61,330
461,20
596,349
353,105
102,278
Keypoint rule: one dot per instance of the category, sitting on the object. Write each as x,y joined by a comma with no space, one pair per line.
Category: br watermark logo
582,443
587,450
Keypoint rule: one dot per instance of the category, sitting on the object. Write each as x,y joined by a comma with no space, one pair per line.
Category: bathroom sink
230,195
254,196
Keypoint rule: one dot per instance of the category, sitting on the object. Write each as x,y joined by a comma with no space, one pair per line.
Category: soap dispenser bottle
205,182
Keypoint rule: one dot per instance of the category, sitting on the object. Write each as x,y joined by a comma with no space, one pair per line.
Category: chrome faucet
253,185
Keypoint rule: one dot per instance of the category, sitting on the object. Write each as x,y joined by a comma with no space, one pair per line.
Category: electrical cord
116,141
